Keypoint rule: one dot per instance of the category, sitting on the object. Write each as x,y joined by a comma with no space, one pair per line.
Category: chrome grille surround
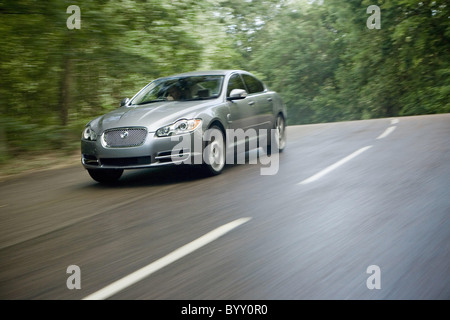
124,137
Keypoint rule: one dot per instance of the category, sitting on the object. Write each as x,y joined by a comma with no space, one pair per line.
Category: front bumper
155,151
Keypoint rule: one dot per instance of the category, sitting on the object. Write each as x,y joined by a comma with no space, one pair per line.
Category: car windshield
180,89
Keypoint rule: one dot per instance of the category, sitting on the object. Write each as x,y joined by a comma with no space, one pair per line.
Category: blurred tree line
319,55
330,66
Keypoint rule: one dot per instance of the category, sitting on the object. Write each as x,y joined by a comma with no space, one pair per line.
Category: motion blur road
347,195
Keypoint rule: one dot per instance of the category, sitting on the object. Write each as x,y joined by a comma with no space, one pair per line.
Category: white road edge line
334,166
394,121
144,272
386,132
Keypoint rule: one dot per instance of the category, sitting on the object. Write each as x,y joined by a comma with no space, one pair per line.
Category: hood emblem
123,134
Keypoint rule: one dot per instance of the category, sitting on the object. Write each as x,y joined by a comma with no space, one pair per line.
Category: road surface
353,205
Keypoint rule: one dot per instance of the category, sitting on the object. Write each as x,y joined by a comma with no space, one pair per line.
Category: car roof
223,72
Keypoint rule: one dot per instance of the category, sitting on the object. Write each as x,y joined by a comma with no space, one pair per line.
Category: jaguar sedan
193,118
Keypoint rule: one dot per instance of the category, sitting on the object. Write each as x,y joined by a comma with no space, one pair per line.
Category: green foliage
329,66
319,55
54,79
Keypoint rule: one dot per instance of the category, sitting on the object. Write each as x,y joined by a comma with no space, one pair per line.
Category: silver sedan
197,118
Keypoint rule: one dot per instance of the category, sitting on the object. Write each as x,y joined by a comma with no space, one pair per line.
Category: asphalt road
347,196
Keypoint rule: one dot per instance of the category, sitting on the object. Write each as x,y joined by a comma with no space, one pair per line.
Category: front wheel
105,175
214,151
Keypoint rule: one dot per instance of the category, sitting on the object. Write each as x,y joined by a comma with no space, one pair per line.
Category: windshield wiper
202,98
150,101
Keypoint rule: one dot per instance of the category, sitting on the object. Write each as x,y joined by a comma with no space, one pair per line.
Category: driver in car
174,93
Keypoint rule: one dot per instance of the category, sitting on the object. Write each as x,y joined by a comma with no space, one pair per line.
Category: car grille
124,137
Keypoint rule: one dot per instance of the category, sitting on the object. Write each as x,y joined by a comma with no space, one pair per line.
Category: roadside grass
27,147
33,162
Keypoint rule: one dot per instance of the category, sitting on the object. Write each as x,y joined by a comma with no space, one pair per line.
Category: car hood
152,115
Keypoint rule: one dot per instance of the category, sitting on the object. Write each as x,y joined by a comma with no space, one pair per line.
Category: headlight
89,134
180,127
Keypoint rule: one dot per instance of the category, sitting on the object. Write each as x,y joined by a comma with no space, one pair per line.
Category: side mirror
237,94
124,102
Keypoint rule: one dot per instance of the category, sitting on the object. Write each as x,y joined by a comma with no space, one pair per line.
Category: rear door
263,104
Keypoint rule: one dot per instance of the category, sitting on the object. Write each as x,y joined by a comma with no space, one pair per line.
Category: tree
58,78
329,66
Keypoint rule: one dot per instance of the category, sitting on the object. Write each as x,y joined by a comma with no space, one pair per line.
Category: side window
253,84
235,82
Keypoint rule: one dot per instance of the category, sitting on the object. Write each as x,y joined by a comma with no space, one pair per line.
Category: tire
214,152
280,136
106,176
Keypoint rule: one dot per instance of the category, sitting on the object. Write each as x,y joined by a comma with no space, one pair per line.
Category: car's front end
158,126
134,147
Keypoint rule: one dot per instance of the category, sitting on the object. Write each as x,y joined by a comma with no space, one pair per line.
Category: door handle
251,103
269,99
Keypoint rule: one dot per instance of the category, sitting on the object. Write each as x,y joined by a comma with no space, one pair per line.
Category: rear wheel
280,136
105,175
214,152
